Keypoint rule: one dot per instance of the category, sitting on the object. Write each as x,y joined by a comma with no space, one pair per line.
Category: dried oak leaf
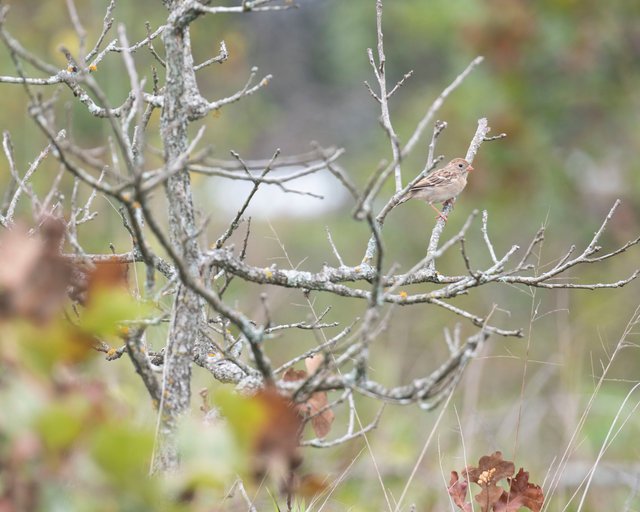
458,491
319,401
292,375
310,485
88,281
320,421
521,494
33,274
491,469
277,435
314,362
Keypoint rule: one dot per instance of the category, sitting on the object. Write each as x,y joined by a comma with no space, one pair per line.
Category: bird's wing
435,179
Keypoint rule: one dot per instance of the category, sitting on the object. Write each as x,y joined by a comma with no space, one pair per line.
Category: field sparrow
442,185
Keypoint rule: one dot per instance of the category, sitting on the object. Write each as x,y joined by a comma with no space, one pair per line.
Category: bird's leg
450,201
440,214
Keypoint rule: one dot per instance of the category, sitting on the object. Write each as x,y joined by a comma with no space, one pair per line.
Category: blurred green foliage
560,77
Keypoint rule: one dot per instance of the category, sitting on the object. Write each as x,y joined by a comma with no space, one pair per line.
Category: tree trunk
188,307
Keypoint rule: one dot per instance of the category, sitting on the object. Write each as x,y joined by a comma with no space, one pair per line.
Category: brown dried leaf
491,469
313,363
521,494
292,375
458,491
33,275
19,253
321,423
108,275
88,281
277,437
310,485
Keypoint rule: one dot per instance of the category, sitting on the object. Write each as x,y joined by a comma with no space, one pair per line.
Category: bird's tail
403,199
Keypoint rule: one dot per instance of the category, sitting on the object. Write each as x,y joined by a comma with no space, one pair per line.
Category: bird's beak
469,168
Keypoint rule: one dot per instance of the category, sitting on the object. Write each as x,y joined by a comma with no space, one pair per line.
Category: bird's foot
440,214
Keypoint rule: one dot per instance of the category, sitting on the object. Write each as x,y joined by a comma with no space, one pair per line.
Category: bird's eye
460,165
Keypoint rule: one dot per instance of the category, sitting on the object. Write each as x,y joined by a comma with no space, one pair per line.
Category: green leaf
60,424
108,308
42,347
123,452
244,415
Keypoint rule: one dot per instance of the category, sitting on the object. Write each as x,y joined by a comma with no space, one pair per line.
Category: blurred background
560,77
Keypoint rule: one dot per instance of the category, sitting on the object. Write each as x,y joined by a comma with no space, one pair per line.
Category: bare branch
220,58
333,247
435,106
77,25
539,237
485,235
400,83
255,6
438,128
379,71
318,443
16,48
150,45
247,90
106,26
140,360
495,137
329,344
251,166
234,223
479,136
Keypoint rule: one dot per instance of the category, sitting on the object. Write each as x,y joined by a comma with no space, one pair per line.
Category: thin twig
333,247
435,106
485,235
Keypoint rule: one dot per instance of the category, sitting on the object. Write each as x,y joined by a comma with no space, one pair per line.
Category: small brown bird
442,185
